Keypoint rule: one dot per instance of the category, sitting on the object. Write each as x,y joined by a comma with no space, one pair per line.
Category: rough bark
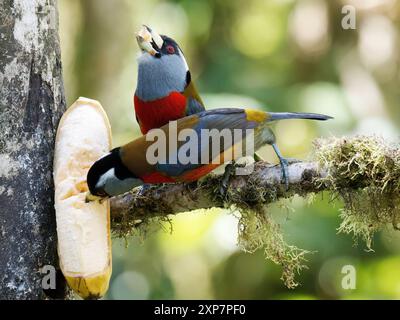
31,104
263,186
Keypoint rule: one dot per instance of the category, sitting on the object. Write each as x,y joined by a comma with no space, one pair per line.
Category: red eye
170,49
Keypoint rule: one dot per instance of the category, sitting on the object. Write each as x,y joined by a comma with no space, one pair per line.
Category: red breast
156,177
156,113
190,176
198,173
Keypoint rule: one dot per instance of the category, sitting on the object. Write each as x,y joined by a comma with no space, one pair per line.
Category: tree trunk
31,104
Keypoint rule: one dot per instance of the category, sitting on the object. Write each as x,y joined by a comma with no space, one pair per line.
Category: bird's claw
285,177
284,165
230,170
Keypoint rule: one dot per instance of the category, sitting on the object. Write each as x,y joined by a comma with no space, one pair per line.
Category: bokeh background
281,55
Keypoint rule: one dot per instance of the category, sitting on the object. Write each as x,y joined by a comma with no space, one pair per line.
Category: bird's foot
284,167
230,170
285,174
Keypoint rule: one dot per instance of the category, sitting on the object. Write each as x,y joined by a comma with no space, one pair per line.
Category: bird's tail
297,115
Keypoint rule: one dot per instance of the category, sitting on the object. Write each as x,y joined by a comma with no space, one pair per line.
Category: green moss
137,225
258,231
140,229
365,173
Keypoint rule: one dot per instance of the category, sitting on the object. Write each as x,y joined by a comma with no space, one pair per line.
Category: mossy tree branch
340,165
261,187
363,171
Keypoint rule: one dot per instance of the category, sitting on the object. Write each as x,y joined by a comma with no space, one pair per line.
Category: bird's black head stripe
188,77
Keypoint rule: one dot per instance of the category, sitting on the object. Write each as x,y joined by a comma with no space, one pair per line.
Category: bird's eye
170,49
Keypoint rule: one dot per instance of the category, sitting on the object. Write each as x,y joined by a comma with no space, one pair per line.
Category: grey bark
31,104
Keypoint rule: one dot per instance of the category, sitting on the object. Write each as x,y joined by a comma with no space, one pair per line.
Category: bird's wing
208,149
194,103
209,144
193,106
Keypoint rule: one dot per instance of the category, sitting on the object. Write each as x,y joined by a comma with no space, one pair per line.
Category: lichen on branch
365,173
362,171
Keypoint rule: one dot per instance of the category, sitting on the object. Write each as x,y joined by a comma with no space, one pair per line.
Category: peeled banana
83,229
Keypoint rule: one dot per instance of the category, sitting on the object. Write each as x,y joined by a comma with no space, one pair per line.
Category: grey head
162,66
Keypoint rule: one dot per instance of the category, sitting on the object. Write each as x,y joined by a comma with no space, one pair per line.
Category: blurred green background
281,55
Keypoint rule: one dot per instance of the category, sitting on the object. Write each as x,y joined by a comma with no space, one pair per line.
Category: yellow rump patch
255,115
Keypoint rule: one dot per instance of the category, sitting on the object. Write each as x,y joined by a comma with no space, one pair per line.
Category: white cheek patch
110,174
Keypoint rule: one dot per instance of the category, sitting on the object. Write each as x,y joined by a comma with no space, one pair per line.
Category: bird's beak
149,41
90,197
